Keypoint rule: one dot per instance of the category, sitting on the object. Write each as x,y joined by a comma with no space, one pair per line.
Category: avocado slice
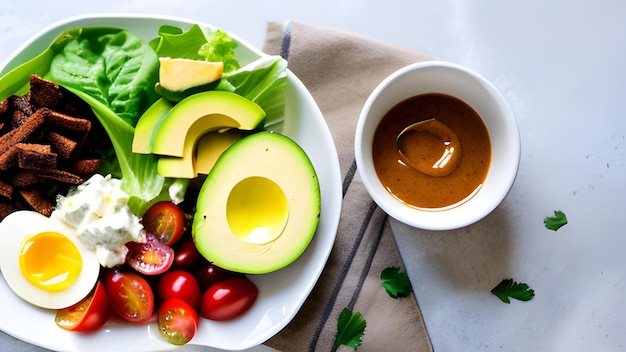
193,117
148,124
211,145
258,208
180,78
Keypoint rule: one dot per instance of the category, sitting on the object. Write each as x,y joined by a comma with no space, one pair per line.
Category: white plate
282,293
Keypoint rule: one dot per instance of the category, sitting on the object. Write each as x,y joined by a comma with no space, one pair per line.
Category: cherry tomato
89,314
209,274
178,321
182,285
166,221
185,255
130,294
150,258
228,299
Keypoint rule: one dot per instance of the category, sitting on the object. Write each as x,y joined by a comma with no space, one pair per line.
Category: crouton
25,178
86,166
32,155
61,144
37,201
6,190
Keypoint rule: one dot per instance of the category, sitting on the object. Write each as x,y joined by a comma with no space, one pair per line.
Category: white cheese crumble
98,210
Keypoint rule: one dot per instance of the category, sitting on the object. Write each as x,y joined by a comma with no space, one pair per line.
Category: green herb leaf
509,288
555,222
350,329
220,47
395,282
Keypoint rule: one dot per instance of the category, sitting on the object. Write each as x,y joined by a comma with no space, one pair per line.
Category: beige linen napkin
341,69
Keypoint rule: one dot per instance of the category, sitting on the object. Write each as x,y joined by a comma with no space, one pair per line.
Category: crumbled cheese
98,210
177,191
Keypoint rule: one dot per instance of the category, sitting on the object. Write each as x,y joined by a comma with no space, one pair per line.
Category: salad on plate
152,185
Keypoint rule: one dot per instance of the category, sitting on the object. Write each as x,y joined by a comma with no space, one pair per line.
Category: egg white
21,224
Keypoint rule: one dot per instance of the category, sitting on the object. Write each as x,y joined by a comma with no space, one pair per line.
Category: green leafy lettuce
113,66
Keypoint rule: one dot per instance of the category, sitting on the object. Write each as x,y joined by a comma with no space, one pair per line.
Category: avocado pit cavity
430,147
257,210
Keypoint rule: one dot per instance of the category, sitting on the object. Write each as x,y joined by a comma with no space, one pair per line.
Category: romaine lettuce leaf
140,179
113,66
196,44
263,81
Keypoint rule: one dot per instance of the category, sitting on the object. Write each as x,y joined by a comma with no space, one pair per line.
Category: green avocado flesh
258,209
172,131
180,78
148,124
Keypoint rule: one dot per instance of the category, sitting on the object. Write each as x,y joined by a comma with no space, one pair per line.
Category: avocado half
258,208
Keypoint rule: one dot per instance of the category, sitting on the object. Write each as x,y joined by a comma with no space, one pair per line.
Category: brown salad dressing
452,132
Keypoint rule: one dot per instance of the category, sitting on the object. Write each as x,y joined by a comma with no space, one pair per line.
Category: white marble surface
561,66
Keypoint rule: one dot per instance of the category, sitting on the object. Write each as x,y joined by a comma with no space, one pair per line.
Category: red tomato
182,285
130,294
150,258
209,274
178,321
87,315
228,299
166,221
185,255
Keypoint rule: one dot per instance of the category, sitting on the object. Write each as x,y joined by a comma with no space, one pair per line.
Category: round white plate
282,293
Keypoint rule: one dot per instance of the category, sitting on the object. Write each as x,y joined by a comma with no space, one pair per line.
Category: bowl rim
454,217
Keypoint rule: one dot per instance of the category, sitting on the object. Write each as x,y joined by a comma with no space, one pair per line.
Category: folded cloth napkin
341,69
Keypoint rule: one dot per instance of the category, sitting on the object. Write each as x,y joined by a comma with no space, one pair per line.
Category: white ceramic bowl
484,98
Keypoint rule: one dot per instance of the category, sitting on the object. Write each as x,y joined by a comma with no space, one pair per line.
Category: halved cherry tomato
166,221
150,258
178,321
209,274
89,314
182,285
130,294
228,299
185,255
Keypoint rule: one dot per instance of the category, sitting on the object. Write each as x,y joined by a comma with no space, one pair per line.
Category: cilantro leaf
350,329
395,282
555,222
509,288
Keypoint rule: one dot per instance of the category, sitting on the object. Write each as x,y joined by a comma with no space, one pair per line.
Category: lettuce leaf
220,47
140,179
111,65
263,81
174,42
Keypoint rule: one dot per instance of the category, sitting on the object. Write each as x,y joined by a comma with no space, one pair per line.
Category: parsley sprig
510,288
350,329
555,222
396,282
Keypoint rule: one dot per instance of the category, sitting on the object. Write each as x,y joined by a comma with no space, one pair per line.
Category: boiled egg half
43,262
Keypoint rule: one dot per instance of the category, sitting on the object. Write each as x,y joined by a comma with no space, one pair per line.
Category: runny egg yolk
50,261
